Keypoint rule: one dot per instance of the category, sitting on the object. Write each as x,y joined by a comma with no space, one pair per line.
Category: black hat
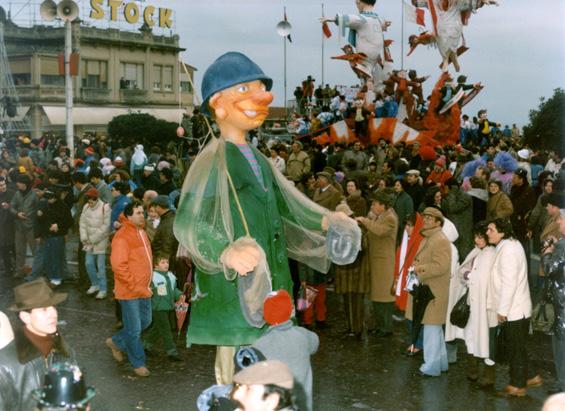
556,199
522,173
64,387
24,179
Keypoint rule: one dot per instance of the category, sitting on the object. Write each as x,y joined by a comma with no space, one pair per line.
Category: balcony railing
95,94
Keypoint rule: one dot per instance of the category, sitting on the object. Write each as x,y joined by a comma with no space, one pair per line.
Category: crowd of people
467,222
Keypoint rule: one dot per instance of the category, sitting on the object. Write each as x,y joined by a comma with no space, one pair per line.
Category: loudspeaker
48,10
283,28
67,10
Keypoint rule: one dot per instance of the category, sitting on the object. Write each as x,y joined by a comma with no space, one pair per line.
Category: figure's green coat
216,318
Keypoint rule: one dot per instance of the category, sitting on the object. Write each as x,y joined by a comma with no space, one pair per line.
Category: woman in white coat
475,273
94,227
455,288
508,296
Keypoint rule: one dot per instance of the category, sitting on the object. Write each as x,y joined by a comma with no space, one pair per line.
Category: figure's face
493,188
430,222
480,241
397,186
40,321
548,187
377,208
137,218
411,178
162,265
252,398
351,187
409,228
244,106
437,197
494,237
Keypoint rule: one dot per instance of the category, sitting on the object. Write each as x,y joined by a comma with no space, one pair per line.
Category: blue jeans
435,352
38,265
420,341
136,317
96,268
54,256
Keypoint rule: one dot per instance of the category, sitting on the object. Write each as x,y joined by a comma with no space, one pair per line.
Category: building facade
116,72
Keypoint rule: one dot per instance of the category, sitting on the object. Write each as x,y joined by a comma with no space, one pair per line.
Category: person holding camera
553,262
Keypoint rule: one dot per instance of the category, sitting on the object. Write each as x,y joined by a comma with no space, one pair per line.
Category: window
131,76
162,78
50,72
95,74
185,87
21,71
157,74
168,78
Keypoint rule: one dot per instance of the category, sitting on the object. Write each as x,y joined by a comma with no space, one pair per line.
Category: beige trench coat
433,264
382,254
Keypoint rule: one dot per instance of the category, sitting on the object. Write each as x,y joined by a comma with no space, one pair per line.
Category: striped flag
414,14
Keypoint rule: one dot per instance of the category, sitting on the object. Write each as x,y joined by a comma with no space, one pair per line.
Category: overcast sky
517,50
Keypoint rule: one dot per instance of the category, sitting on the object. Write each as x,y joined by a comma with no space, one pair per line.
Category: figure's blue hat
228,70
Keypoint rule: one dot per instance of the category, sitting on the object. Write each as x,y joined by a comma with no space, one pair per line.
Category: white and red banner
414,14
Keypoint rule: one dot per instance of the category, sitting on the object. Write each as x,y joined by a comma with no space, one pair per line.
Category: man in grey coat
458,207
24,208
288,343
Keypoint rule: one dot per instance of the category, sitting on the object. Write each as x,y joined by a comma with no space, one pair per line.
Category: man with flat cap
36,345
265,386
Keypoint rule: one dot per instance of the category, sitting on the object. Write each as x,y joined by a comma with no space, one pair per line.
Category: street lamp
67,10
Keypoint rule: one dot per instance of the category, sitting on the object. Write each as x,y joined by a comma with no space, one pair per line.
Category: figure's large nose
262,98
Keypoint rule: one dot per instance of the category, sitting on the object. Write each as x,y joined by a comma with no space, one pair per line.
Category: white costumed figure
366,36
449,17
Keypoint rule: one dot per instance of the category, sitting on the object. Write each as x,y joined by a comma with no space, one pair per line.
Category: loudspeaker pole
69,88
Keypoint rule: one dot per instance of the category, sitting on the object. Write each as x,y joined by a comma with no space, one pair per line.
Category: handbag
460,312
306,297
500,355
543,315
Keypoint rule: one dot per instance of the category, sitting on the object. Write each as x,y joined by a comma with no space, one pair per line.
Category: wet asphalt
348,374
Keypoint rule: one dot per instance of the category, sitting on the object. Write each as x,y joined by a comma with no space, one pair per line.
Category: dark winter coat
458,207
554,265
523,201
27,204
22,368
56,213
165,241
6,220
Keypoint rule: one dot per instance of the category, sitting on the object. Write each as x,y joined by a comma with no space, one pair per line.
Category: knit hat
92,193
148,167
277,307
556,199
162,165
413,173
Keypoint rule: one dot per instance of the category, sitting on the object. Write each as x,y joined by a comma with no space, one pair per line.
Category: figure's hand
21,215
242,260
54,228
327,20
40,213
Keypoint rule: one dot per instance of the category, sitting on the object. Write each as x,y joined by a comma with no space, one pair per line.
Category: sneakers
101,295
55,283
92,290
141,371
116,352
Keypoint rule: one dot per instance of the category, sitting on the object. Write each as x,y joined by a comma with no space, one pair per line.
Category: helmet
63,387
228,70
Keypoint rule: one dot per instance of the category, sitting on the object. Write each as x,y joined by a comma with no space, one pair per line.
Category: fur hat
504,161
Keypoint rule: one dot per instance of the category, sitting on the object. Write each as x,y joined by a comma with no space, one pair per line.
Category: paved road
348,374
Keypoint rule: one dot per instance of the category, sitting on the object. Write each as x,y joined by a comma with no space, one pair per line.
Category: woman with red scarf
404,257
